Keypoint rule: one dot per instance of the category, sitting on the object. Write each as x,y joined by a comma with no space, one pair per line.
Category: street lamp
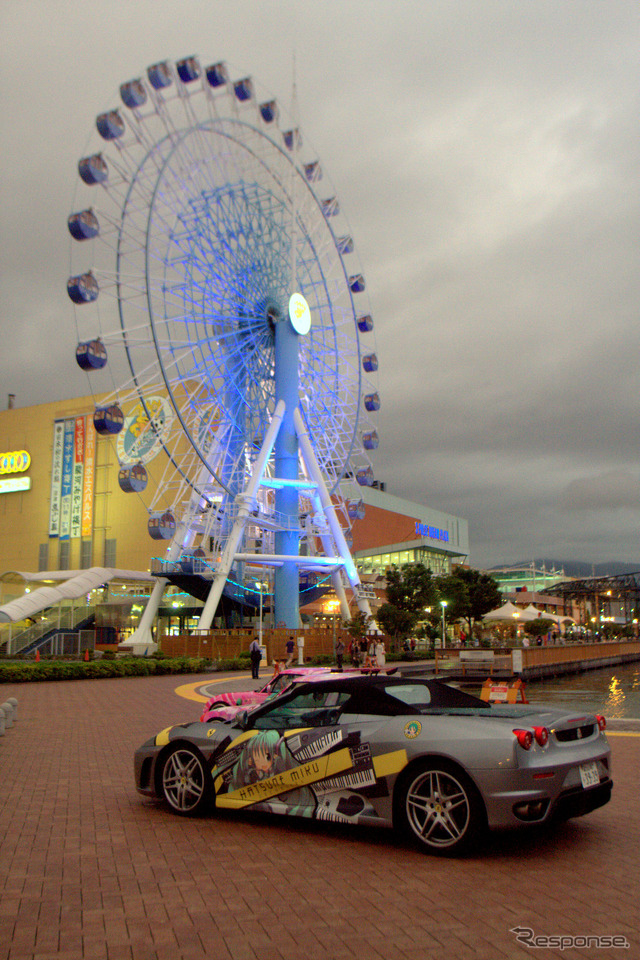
261,585
443,604
331,607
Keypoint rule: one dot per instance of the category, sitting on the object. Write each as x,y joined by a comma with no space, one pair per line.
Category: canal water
613,691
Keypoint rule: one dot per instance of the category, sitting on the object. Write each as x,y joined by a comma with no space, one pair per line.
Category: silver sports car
419,755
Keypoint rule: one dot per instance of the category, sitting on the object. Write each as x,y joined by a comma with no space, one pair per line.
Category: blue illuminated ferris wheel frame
212,216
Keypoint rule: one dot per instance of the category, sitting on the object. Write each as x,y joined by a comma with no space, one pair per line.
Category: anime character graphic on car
261,762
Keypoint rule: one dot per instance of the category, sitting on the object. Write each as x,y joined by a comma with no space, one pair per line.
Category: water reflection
613,691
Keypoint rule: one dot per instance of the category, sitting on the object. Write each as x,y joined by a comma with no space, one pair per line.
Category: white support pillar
141,642
329,511
245,501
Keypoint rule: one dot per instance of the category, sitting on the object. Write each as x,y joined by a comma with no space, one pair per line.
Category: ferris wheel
214,277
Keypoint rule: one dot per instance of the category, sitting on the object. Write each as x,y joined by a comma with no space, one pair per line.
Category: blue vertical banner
67,478
56,478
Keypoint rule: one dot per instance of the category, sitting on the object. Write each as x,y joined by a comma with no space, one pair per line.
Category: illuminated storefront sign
433,533
15,462
15,484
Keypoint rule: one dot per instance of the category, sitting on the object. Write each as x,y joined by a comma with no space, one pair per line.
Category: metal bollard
8,714
1,722
14,703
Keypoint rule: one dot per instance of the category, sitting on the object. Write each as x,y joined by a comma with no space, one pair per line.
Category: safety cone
86,654
37,656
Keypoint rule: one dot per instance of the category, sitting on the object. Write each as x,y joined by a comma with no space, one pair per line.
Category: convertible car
274,686
436,763
225,706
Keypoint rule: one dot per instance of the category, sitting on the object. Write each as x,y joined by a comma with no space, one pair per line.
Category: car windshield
316,708
281,682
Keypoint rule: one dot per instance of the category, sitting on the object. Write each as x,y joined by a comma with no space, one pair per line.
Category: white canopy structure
534,614
508,612
74,584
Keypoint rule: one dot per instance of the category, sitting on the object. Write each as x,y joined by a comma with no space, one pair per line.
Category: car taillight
602,723
542,735
524,738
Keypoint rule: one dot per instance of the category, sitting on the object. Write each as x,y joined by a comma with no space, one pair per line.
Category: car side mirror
241,719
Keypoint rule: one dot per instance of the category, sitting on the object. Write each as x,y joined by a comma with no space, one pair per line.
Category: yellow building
104,526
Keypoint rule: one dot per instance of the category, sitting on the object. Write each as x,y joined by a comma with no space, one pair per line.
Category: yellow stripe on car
162,739
389,763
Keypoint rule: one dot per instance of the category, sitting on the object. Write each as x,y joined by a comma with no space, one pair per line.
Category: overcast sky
486,154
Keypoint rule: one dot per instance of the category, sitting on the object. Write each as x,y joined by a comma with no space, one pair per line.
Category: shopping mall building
63,509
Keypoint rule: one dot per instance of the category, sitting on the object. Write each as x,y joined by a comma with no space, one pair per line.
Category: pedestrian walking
290,647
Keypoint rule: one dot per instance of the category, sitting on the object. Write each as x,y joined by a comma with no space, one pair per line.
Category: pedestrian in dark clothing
256,656
290,647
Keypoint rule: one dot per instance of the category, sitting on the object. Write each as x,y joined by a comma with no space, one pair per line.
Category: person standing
255,654
290,647
339,652
354,650
381,656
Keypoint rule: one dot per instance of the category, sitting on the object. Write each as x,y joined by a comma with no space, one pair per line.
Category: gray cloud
614,490
487,158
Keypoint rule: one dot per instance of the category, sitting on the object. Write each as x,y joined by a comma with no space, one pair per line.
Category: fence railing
60,619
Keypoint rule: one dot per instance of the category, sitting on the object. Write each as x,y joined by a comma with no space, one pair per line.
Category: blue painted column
287,601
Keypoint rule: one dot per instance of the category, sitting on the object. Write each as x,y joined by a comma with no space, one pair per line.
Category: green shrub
25,672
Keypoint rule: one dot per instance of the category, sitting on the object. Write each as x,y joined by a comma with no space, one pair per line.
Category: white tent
509,612
545,615
534,614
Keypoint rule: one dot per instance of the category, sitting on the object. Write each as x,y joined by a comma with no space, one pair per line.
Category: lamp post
261,585
443,604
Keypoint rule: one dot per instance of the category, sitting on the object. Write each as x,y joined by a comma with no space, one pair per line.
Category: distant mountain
578,568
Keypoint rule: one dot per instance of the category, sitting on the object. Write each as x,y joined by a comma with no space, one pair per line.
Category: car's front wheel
186,782
439,806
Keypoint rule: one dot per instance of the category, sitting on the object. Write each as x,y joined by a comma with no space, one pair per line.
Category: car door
293,755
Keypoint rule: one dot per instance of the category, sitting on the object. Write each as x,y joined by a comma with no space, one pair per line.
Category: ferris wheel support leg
330,513
341,594
245,500
141,641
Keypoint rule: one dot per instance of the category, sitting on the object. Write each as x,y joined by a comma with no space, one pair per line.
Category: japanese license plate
589,775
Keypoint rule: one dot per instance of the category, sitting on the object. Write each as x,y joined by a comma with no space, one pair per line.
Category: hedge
99,669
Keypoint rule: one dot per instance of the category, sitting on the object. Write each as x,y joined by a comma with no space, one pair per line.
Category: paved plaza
90,871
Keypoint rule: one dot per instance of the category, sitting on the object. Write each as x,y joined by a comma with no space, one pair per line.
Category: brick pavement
90,871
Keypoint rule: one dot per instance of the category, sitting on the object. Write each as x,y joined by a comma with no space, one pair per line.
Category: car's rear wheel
186,782
439,806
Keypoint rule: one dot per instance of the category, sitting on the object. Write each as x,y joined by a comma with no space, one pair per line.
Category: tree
410,589
358,626
395,622
537,628
469,594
